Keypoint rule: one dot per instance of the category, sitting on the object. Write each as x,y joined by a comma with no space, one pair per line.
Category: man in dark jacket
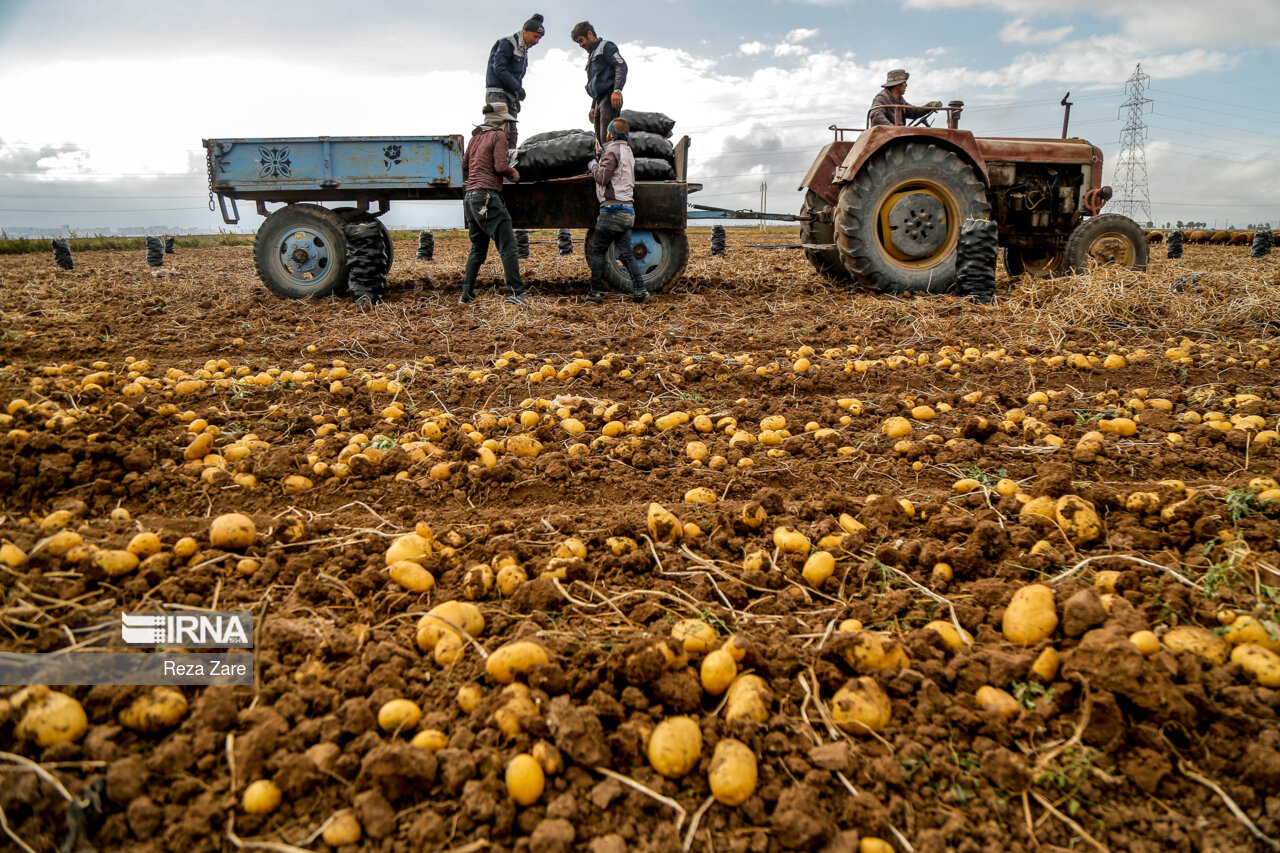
504,76
890,108
606,75
615,179
484,166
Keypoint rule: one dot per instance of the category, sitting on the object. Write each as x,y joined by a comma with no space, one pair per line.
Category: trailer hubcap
916,223
304,255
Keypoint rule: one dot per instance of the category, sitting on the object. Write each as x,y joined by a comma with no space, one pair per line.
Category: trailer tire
888,217
1037,263
1109,238
665,255
300,252
826,261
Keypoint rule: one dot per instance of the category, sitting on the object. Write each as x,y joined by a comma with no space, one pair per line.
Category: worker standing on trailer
606,75
508,60
615,177
890,108
484,166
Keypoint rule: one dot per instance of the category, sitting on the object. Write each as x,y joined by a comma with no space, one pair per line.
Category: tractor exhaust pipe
1066,115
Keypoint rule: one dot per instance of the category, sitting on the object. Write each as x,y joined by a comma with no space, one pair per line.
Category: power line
112,210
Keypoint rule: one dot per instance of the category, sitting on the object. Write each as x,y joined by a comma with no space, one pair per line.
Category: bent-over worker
508,61
615,178
484,166
889,107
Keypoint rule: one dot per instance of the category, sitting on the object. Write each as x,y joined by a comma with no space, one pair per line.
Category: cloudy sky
103,106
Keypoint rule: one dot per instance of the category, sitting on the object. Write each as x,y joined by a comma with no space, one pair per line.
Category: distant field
26,246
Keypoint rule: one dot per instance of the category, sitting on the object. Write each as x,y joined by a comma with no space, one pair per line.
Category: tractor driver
890,108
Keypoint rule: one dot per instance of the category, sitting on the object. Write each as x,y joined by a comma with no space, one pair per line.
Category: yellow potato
896,427
700,495
51,717
143,545
819,567
1106,580
399,714
996,701
1198,641
694,635
447,619
756,561
749,699
548,757
1246,629
788,540
232,532
620,545
872,652
736,646
509,578
861,706
871,844
675,746
430,739
732,775
515,659
115,563
525,779
448,649
161,708
1030,616
468,696
570,548
952,638
718,671
410,547
849,524
261,797
523,446
11,555
754,515
411,576
1046,665
849,626
1045,507
1078,519
663,525
1146,641
1264,664
343,829
62,542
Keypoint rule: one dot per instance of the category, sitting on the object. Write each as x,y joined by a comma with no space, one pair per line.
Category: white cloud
1018,31
790,50
798,35
753,48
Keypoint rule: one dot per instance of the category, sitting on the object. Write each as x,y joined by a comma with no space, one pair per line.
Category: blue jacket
606,70
508,61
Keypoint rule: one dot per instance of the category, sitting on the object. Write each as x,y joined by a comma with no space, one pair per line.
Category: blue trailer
300,249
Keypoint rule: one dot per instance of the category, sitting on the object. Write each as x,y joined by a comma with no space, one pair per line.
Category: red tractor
885,209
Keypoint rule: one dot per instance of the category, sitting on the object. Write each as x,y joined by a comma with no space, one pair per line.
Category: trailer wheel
1037,263
1107,239
826,261
898,221
662,255
300,251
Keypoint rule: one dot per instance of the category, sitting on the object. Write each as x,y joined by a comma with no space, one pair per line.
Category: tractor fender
818,178
873,140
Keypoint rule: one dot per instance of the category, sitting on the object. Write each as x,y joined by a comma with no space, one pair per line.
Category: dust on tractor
884,210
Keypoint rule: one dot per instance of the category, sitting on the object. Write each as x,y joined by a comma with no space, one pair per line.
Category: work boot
521,298
594,295
468,296
640,296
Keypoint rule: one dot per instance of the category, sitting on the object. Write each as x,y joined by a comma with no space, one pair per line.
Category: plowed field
1104,442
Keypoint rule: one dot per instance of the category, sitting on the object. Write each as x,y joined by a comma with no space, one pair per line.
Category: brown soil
1115,745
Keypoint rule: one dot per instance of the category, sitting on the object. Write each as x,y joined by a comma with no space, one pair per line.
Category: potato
523,446
1045,507
447,619
700,495
161,708
996,701
756,561
1146,641
525,779
515,659
468,697
733,772
819,567
509,578
1246,629
409,547
11,555
694,635
143,545
754,515
620,545
399,714
344,828
1078,519
62,542
1263,663
232,532
448,649
517,703
549,757
432,740
663,525
736,646
1030,616
261,797
951,638
1198,641
896,427
570,548
872,652
1106,580
1046,665
115,563
675,746
788,540
749,699
718,671
861,706
849,626
51,717
871,844
411,576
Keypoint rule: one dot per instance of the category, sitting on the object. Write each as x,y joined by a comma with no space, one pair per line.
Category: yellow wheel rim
917,224
1112,248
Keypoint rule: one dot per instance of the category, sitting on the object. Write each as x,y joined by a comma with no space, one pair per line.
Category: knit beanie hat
534,25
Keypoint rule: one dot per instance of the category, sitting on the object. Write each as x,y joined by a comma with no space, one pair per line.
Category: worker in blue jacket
606,75
508,60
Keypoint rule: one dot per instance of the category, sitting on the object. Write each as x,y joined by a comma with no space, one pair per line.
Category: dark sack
652,169
658,123
651,145
558,157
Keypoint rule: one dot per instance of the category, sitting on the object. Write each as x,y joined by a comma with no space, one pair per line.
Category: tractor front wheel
898,221
1037,262
1107,239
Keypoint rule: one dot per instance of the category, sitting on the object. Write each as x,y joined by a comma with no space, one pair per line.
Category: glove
591,165
515,176
520,94
934,105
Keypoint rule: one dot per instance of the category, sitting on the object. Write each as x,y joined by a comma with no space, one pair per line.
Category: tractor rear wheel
898,221
826,261
1107,239
1037,262
300,251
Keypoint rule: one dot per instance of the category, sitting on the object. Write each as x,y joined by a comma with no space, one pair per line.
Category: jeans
613,228
513,105
605,113
488,219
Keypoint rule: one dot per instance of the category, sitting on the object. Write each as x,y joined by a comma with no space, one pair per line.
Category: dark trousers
605,113
613,228
513,105
488,219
